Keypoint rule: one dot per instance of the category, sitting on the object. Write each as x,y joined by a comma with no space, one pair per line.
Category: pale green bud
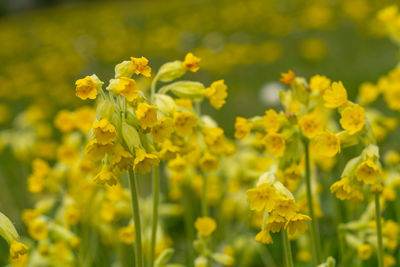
300,91
97,81
112,85
7,229
185,89
165,103
208,121
164,257
104,110
171,71
350,168
370,152
201,262
223,258
130,136
124,69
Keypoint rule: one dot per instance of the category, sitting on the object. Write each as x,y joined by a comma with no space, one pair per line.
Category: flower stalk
136,218
156,194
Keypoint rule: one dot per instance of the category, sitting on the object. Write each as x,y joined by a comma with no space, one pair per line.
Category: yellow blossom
353,118
214,138
38,229
368,93
64,121
127,234
121,158
272,121
288,78
144,161
104,132
242,128
84,118
335,96
368,172
191,62
342,188
18,253
205,226
96,151
286,207
311,124
88,87
162,130
67,155
364,251
147,115
177,164
297,224
262,197
139,66
275,144
319,83
264,237
184,123
217,94
106,176
326,144
127,88
275,222
209,163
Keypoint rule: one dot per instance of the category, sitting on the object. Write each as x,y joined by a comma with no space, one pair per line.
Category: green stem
136,218
204,207
153,88
315,242
156,194
287,249
379,230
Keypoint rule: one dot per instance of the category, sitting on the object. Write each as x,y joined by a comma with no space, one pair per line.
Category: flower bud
165,103
171,71
201,262
223,258
7,229
186,89
164,257
104,110
124,69
130,136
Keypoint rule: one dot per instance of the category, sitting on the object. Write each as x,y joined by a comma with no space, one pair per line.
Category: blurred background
45,45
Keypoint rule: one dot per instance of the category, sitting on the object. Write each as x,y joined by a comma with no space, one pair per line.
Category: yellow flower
162,130
368,93
288,78
139,66
262,197
96,151
217,94
275,222
353,119
147,115
392,96
127,88
242,128
297,224
38,229
184,123
364,251
121,158
191,62
168,150
264,237
205,226
127,234
342,188
88,87
368,172
311,124
67,155
64,121
104,132
272,121
275,144
319,83
215,139
209,163
388,260
106,176
335,96
177,164
18,253
286,207
327,144
84,118
143,161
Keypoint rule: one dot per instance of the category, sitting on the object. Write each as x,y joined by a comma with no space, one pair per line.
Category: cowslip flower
327,144
127,88
205,226
126,234
214,138
38,229
297,224
209,162
191,62
147,115
262,197
364,251
335,96
144,161
275,144
275,222
104,132
264,237
342,188
288,78
368,172
272,121
88,87
217,94
96,151
139,66
311,124
18,253
319,83
83,119
242,128
64,121
162,130
184,123
286,207
353,119
106,176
